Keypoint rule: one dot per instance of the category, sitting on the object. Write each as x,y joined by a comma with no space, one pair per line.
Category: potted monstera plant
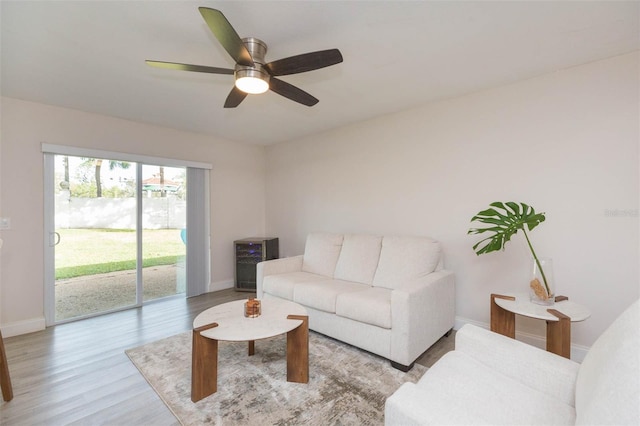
504,220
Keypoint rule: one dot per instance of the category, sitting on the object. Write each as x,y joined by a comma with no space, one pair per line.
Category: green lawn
95,251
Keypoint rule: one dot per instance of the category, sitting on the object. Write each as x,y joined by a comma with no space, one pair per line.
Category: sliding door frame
197,247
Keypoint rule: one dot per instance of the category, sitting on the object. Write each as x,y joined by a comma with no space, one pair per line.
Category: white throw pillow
405,258
359,258
321,253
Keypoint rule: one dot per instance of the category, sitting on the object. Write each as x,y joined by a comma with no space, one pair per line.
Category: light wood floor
78,373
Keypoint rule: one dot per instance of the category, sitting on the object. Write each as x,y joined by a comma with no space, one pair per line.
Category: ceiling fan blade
189,67
292,92
305,62
235,97
227,36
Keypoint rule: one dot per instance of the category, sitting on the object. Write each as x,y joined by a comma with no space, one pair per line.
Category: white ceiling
89,55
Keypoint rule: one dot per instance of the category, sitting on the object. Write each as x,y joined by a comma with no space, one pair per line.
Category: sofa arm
422,311
548,373
274,267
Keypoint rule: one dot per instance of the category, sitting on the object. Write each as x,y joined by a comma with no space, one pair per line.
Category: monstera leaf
505,219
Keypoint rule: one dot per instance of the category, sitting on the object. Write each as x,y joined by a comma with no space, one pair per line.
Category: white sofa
387,295
492,379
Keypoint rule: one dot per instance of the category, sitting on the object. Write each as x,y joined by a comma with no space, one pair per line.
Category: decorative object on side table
505,219
252,308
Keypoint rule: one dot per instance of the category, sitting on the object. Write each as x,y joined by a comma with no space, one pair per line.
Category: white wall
237,192
565,143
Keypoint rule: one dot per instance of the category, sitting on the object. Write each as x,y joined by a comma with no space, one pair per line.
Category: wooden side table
558,318
5,379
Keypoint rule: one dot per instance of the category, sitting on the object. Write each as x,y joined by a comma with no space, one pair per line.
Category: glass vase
542,285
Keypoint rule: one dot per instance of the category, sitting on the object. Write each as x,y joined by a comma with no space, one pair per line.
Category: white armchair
492,379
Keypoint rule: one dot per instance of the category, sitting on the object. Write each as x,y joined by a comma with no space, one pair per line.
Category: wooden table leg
252,347
298,351
559,334
5,379
204,364
502,321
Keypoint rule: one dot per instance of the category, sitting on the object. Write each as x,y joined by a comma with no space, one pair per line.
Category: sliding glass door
95,236
116,235
164,231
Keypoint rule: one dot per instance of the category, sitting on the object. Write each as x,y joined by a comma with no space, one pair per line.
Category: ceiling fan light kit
255,79
253,75
252,81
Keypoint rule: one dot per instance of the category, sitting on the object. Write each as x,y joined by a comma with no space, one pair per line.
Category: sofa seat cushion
466,391
321,253
405,258
370,306
322,295
358,258
281,285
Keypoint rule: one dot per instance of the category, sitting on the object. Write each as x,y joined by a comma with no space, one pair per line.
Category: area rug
347,386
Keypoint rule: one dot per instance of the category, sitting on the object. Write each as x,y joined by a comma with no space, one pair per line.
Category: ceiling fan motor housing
258,49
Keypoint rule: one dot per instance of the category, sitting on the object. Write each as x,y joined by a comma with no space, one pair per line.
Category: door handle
56,238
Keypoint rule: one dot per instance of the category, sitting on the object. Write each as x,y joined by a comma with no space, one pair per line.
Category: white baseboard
460,321
578,352
23,327
221,285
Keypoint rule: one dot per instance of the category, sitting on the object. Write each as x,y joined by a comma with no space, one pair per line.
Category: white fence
119,213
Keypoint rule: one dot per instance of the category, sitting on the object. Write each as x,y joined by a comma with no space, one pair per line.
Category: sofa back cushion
608,384
405,258
358,258
321,253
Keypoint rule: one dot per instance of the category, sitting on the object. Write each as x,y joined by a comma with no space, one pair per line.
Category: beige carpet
346,386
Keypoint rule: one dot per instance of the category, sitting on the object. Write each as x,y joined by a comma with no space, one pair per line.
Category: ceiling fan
253,75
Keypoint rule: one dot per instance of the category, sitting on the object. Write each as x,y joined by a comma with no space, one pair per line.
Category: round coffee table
227,322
